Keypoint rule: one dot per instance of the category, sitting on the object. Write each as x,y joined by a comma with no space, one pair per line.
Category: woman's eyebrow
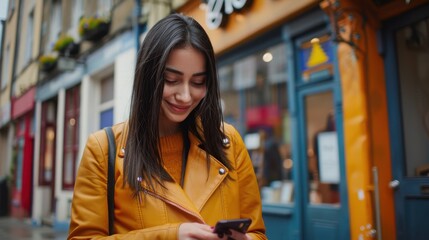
175,71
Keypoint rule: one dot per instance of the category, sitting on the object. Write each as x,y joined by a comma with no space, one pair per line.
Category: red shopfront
22,158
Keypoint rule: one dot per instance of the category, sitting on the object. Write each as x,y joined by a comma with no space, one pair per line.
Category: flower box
66,46
47,63
93,29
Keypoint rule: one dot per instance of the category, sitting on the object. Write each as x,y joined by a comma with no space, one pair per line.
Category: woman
180,169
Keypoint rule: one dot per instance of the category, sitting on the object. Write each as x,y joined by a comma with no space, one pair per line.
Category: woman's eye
199,83
169,81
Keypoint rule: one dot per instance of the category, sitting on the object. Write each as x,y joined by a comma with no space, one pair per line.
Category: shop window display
254,100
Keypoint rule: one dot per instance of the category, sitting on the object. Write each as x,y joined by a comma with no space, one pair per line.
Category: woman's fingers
189,231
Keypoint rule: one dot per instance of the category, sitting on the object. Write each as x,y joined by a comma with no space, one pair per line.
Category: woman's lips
178,108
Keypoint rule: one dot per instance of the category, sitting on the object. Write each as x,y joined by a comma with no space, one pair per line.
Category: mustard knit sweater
171,154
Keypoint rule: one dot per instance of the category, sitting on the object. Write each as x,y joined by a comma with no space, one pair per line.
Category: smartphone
240,225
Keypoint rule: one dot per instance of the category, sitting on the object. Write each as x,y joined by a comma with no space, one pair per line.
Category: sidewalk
17,229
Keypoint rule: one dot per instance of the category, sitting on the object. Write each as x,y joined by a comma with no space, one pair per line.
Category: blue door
106,118
318,142
407,74
320,165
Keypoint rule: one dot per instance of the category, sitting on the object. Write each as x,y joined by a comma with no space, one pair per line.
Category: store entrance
321,165
319,139
407,74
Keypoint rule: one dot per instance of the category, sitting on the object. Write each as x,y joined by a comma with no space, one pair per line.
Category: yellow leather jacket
207,196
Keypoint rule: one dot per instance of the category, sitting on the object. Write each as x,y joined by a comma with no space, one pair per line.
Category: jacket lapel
174,195
200,181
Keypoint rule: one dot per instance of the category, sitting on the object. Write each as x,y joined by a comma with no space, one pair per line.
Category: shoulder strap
111,176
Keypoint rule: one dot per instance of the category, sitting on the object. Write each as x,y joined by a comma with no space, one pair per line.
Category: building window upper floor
106,102
5,67
11,9
25,35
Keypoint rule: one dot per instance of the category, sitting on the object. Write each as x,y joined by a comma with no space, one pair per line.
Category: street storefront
56,148
5,139
88,54
406,39
22,154
303,82
6,136
331,98
70,106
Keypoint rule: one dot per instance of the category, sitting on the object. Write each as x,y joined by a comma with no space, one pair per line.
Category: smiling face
184,87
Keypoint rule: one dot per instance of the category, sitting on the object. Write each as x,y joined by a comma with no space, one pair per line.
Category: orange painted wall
366,130
356,141
379,132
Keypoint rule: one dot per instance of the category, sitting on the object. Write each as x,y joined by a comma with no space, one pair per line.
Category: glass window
5,69
55,24
230,97
106,118
106,90
412,47
20,127
316,59
104,7
322,149
106,102
76,14
254,100
19,163
11,8
71,136
47,142
29,39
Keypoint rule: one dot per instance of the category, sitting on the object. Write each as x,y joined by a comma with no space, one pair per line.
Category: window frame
43,126
55,23
72,94
5,68
107,104
11,9
29,39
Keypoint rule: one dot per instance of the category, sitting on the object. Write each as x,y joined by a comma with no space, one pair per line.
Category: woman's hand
197,231
237,235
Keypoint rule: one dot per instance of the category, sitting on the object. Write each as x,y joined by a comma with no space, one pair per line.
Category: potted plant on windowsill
93,28
66,46
47,63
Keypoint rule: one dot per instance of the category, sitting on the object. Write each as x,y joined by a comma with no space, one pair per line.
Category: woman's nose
184,94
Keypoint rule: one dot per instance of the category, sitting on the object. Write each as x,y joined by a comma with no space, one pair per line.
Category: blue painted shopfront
311,78
407,91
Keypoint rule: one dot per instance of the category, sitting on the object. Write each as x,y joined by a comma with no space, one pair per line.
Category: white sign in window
329,166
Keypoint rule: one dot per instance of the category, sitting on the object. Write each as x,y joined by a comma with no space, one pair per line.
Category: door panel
320,152
48,149
315,103
416,211
407,53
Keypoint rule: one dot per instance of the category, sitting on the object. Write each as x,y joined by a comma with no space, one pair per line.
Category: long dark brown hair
142,157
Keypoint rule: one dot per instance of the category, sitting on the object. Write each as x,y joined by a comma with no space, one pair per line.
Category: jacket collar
200,183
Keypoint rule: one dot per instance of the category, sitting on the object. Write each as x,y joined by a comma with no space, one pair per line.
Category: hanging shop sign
316,58
23,104
218,11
